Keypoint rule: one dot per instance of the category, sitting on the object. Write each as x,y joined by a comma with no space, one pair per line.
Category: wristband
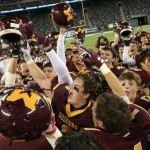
30,62
116,35
104,69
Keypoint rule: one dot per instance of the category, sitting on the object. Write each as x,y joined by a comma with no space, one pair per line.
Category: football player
78,140
144,39
144,59
138,34
131,83
119,124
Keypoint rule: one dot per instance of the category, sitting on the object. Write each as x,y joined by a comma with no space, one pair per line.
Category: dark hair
143,35
104,38
148,44
40,65
144,55
102,44
75,43
129,75
135,42
68,49
48,65
90,85
121,45
78,141
113,111
113,51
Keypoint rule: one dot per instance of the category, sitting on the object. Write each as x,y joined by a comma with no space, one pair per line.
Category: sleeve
60,68
126,99
126,58
4,65
52,138
61,48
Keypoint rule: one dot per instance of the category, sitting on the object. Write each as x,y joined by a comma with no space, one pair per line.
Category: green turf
90,39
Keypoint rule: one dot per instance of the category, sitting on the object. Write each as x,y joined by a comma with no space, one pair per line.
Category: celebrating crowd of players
52,98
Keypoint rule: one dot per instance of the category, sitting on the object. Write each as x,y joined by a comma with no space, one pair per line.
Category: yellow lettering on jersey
134,113
92,129
33,38
137,69
138,146
68,13
80,30
67,121
146,98
56,37
119,67
21,21
29,101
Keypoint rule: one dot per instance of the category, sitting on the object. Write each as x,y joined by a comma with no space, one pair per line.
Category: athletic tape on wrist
30,62
104,69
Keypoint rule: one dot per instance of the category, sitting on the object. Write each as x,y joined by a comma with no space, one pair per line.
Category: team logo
68,13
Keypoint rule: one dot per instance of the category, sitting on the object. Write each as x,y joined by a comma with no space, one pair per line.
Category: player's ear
142,64
86,95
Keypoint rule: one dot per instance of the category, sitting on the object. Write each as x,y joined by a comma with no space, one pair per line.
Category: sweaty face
121,51
49,73
76,96
133,49
144,39
107,55
146,65
18,80
24,69
130,87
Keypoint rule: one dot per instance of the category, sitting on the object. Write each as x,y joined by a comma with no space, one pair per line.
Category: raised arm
37,73
61,45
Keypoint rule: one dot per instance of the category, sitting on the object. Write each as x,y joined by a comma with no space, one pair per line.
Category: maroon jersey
140,47
26,79
135,138
123,64
145,76
117,71
72,67
66,118
143,101
137,38
39,144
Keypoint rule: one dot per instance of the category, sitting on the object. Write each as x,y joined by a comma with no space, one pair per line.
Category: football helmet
79,33
25,115
54,39
124,29
63,15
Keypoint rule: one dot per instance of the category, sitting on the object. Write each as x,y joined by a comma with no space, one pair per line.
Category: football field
90,39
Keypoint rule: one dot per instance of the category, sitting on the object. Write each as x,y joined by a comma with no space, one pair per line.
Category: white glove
26,55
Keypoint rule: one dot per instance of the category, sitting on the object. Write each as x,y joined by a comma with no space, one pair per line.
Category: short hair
139,26
68,49
19,65
102,44
113,51
78,141
121,45
75,43
48,65
129,75
143,35
104,38
144,55
135,42
147,44
40,65
90,85
113,111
